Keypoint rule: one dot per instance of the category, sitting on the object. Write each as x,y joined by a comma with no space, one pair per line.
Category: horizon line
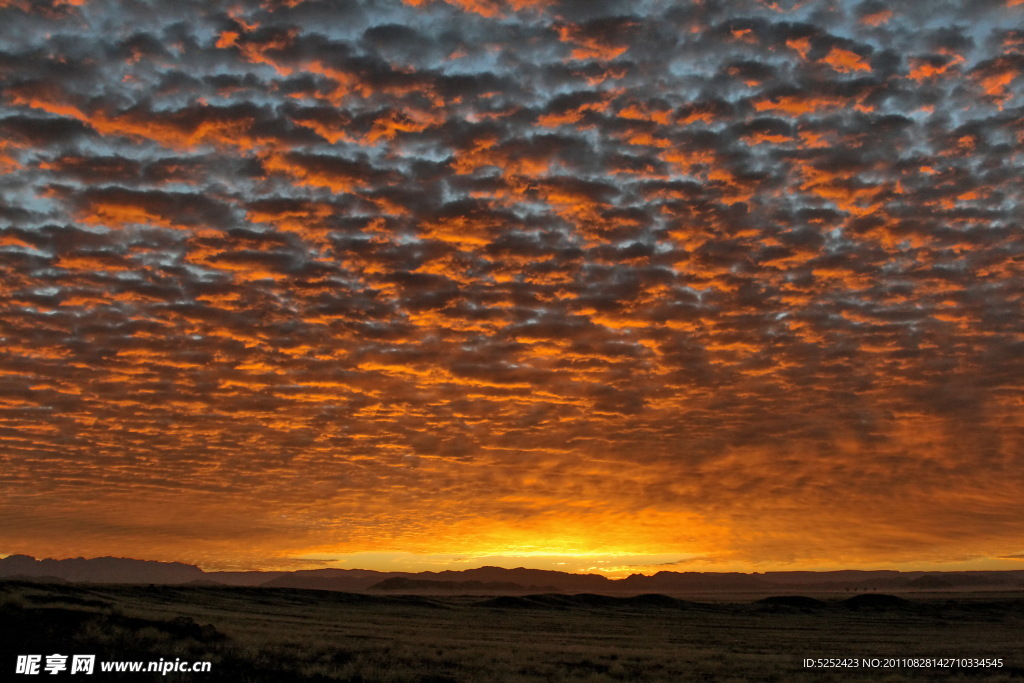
490,566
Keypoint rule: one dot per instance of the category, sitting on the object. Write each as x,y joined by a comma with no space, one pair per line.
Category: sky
574,284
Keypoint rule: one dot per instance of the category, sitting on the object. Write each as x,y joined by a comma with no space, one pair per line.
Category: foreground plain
257,635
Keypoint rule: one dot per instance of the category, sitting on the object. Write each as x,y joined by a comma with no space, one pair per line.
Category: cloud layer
739,280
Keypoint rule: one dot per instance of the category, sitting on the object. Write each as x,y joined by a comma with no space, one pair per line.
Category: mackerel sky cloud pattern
731,282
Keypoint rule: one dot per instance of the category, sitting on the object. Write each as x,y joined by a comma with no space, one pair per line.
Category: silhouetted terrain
101,570
500,580
278,635
399,583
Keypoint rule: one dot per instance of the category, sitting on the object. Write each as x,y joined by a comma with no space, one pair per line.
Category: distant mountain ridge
102,570
400,583
497,579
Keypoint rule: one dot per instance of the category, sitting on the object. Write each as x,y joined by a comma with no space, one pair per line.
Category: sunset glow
569,284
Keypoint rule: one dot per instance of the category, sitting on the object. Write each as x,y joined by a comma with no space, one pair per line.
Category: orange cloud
8,163
221,128
845,61
590,46
118,215
796,105
877,18
227,39
801,45
924,68
485,8
572,116
337,175
995,77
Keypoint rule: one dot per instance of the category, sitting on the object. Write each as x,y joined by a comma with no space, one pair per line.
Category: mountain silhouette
401,583
101,570
497,579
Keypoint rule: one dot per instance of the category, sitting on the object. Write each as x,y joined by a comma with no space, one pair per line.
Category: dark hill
401,583
327,580
659,600
253,578
790,602
875,601
669,582
33,579
526,577
549,601
587,601
513,602
101,570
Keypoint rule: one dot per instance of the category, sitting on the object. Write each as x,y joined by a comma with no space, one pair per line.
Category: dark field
278,635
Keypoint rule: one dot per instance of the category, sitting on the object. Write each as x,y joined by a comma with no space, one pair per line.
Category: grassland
261,635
